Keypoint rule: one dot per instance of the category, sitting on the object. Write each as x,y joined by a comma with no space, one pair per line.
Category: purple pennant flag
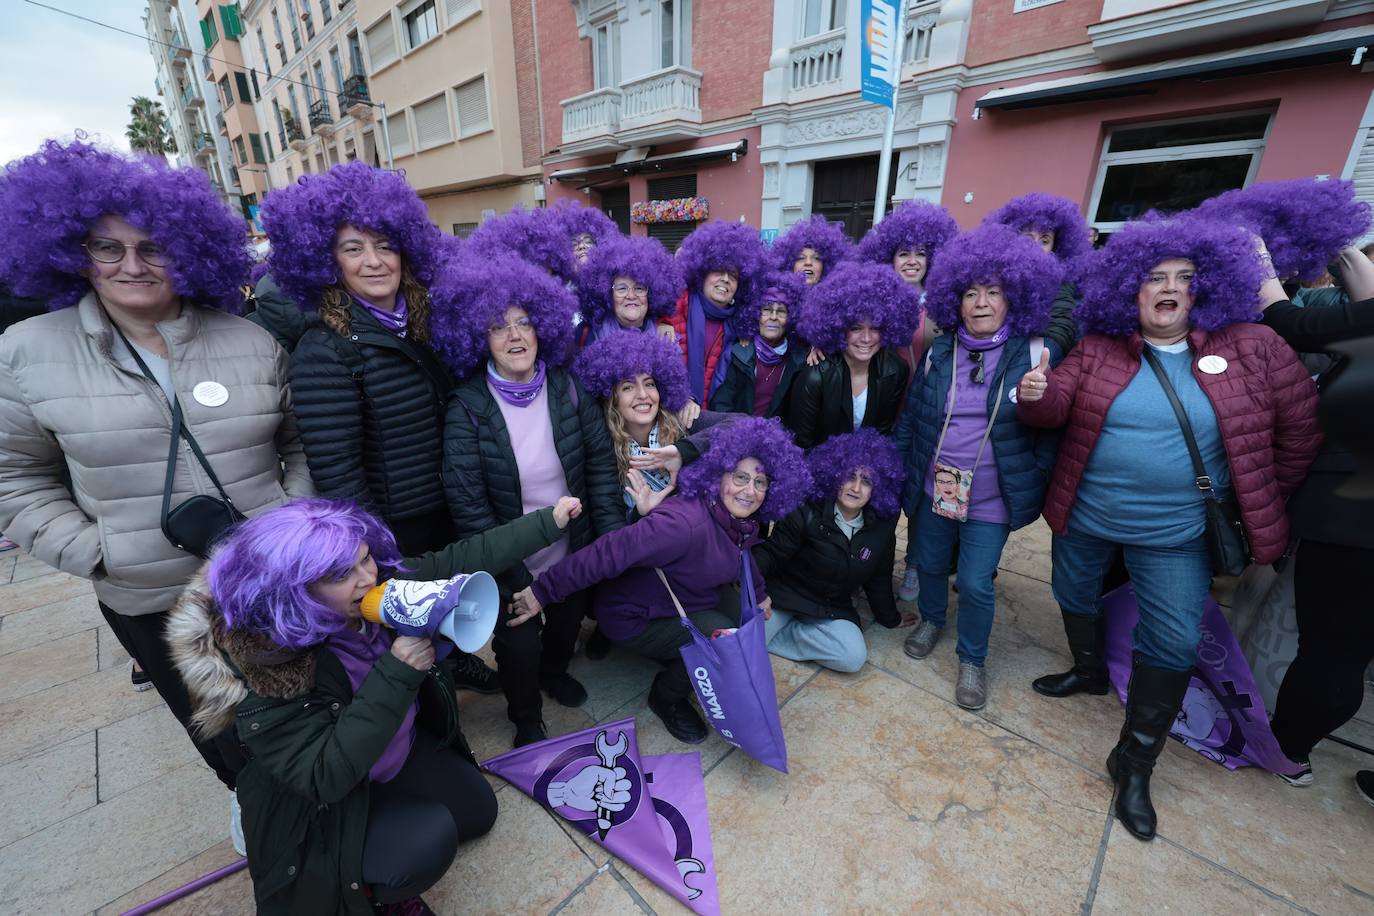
654,819
1223,716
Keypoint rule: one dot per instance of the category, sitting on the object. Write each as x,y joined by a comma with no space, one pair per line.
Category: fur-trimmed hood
221,666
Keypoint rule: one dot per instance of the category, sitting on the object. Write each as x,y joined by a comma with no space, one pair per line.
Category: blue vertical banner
879,67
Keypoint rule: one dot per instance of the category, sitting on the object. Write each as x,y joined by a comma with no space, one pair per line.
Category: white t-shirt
158,365
860,407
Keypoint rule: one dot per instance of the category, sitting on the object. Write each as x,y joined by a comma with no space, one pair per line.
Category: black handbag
1225,531
196,524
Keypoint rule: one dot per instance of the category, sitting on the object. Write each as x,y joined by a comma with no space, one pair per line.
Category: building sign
879,69
1021,6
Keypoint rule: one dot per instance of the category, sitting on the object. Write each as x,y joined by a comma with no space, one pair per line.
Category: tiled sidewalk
898,800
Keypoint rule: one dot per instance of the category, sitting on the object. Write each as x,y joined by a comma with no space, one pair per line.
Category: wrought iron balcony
354,92
320,115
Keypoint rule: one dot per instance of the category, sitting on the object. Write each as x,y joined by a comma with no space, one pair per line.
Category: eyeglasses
521,325
624,291
976,375
744,479
112,251
776,311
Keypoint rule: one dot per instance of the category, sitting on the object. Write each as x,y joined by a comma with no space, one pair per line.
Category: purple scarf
991,343
699,308
521,394
358,651
608,326
766,353
394,321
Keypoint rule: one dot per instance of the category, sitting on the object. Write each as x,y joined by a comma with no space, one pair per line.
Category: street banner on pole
879,62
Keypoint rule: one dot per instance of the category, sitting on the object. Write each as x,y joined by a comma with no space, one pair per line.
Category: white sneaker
911,586
236,824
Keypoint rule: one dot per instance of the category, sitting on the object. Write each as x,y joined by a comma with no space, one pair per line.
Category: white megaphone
462,609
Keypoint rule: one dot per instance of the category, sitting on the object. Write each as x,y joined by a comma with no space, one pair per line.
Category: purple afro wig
836,459
853,293
577,220
994,253
537,236
472,292
782,286
261,574
916,224
643,260
302,221
1039,212
819,234
1225,287
719,245
623,355
789,481
50,200
1304,222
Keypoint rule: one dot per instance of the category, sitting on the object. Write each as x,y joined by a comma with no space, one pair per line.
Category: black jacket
813,569
482,481
370,408
822,405
277,313
736,391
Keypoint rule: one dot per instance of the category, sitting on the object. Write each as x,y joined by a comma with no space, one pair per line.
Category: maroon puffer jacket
1265,404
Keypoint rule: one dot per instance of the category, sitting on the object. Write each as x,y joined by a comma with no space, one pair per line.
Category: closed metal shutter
381,44
431,122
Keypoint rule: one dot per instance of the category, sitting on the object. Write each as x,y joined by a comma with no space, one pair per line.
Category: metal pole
885,158
386,138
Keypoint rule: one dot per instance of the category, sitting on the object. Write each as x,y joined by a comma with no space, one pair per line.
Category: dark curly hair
719,245
1225,287
1304,222
819,234
751,437
1029,277
836,459
1039,211
50,200
916,224
623,355
855,292
643,260
472,292
537,236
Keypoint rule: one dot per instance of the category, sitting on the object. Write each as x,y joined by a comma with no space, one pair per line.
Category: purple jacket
698,547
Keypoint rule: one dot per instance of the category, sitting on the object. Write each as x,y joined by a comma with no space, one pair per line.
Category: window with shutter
471,101
673,187
432,126
400,134
381,44
456,11
671,234
241,81
229,17
255,141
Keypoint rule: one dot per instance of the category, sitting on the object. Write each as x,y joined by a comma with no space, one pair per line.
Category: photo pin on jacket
1212,364
210,394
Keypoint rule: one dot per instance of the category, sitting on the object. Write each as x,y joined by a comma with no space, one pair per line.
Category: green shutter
233,24
207,26
205,33
255,141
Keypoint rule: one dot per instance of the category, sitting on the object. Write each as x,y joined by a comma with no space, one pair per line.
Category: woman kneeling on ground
844,537
750,472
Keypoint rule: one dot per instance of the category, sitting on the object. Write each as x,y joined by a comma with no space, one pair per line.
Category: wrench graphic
608,753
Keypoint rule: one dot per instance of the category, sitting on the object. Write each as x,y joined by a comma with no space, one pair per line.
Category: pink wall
996,33
1057,148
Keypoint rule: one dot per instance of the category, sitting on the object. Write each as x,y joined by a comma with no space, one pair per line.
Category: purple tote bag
733,678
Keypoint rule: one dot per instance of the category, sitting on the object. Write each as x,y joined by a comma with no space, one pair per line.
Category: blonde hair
669,431
336,305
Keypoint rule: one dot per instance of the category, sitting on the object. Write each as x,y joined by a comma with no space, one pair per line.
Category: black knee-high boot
1155,697
1087,643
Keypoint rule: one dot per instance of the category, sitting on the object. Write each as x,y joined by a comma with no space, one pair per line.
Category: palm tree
148,130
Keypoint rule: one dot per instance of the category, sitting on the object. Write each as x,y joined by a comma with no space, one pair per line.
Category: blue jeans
835,644
1171,585
980,550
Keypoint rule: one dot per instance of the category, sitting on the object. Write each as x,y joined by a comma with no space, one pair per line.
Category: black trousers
416,821
662,638
1324,686
141,637
422,533
534,652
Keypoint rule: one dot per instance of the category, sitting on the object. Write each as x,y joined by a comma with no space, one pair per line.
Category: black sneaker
565,690
1302,778
1364,783
598,645
139,678
411,906
529,732
682,721
471,673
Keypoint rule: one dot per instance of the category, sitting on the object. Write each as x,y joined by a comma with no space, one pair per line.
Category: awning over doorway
600,174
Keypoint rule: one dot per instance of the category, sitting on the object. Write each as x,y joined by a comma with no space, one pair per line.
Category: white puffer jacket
65,400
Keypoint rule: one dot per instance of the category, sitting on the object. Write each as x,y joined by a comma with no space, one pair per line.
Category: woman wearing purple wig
750,471
584,227
520,433
974,473
139,263
1168,307
810,247
627,284
860,311
843,538
759,376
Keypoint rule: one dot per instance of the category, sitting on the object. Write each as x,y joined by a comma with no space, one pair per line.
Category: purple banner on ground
1223,716
650,812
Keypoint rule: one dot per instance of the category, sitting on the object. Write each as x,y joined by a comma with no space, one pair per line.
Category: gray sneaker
972,690
911,586
922,640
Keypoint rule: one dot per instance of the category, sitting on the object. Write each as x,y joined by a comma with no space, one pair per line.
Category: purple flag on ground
650,812
1223,716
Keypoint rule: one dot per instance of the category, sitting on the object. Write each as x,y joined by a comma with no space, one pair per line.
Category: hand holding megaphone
461,610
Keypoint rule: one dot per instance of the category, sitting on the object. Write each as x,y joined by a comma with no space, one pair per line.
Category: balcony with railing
320,117
591,115
190,98
179,46
295,137
206,68
663,97
920,28
203,144
220,125
233,176
354,95
817,61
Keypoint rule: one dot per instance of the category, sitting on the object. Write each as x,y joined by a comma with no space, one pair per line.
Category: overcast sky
58,74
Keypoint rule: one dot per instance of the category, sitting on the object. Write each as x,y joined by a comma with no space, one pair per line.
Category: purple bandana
521,394
768,354
395,320
973,343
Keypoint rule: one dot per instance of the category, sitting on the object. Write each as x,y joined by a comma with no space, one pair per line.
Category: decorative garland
677,210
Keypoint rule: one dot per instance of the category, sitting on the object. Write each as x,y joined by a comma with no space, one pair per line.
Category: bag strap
949,411
677,604
1204,483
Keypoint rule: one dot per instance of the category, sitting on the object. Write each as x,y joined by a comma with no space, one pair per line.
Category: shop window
1175,165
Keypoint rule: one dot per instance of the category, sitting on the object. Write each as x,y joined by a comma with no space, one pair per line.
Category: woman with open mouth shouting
761,370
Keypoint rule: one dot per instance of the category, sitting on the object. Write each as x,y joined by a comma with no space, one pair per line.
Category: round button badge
1212,364
210,394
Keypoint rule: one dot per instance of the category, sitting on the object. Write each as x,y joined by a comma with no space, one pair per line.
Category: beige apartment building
446,70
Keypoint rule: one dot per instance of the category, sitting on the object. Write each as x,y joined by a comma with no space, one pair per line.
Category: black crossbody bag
1225,531
198,523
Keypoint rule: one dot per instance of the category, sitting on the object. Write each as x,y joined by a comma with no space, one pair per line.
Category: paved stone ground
898,800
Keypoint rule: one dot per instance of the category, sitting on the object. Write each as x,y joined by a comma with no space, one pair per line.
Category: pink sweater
541,472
